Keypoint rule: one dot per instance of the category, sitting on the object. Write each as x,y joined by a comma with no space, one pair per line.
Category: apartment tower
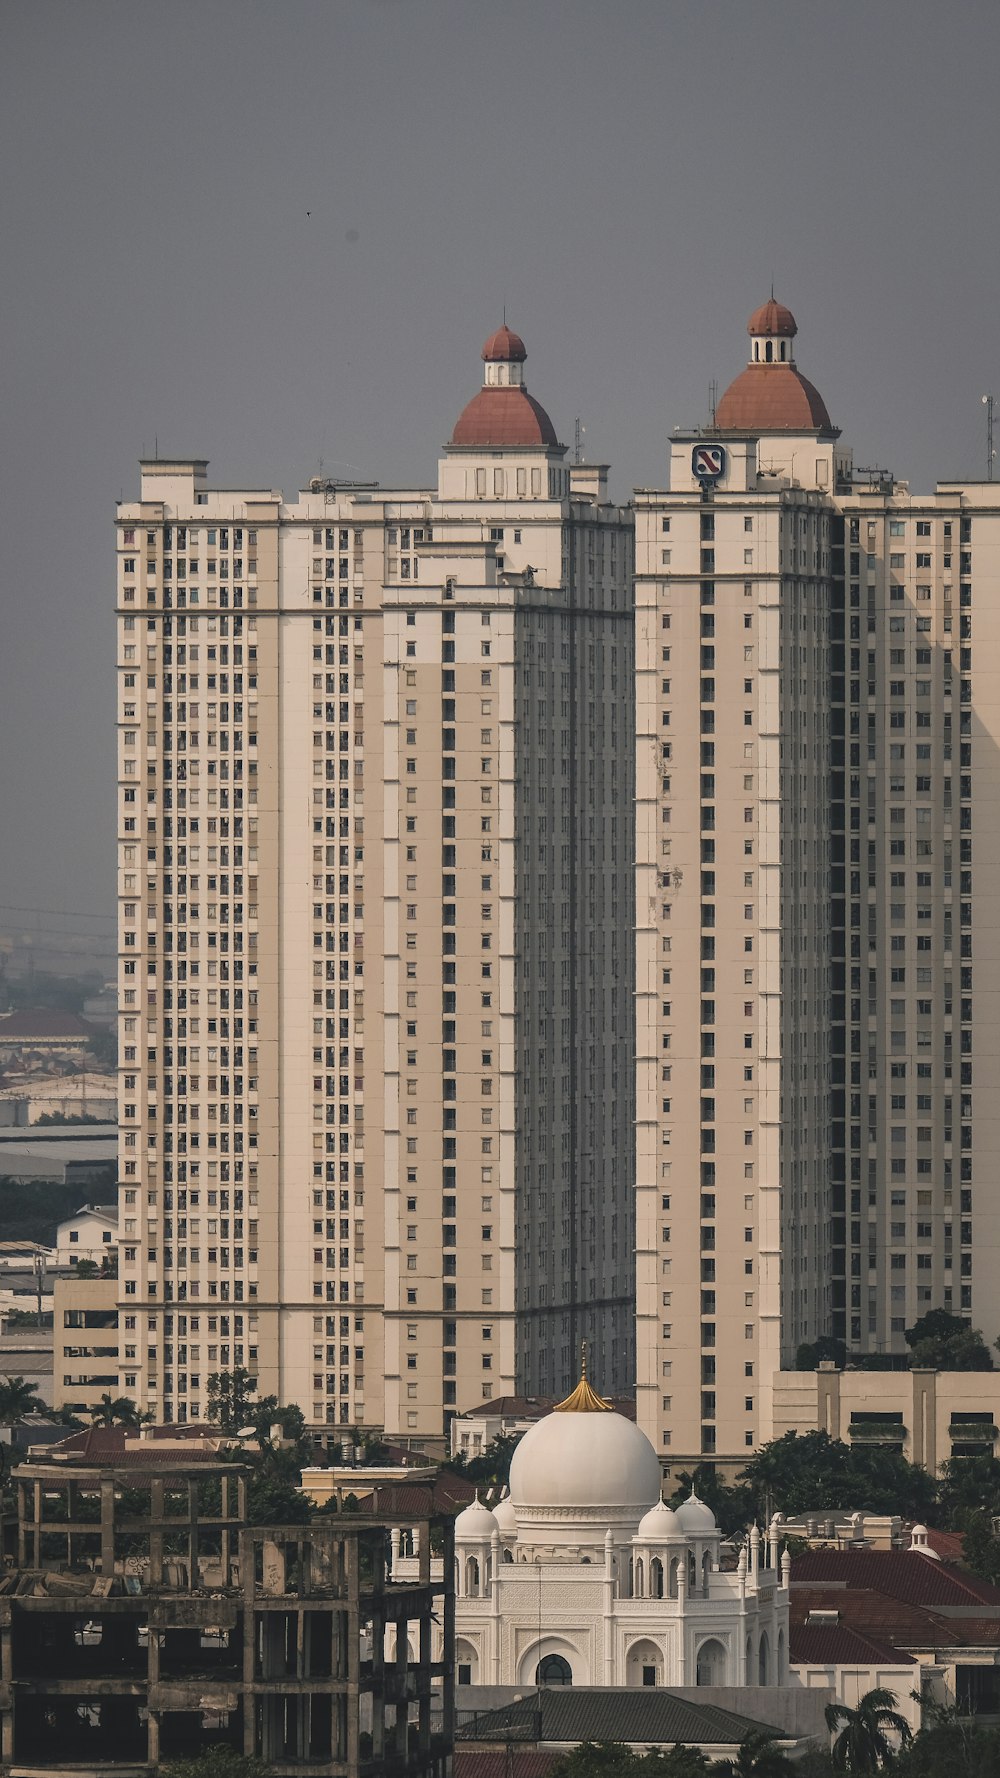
375,756
818,871
733,596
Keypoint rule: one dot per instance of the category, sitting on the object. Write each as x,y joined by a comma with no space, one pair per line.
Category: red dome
504,347
504,416
773,318
772,398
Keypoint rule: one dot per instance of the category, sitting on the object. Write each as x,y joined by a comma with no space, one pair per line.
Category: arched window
763,1660
769,351
779,1677
553,1670
656,1578
711,1667
706,1569
675,1563
472,1577
639,1581
783,344
508,1555
692,1573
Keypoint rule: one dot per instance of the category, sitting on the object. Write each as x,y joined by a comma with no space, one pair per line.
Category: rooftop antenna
713,397
989,403
578,432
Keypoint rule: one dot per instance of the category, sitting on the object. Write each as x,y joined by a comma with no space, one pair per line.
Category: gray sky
628,178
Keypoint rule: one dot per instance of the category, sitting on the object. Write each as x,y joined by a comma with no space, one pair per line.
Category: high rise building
375,755
816,977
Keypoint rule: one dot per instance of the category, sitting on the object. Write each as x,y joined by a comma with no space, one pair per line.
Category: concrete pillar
107,1525
923,1429
828,1398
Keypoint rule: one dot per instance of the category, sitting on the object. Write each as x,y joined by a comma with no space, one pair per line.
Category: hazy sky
274,233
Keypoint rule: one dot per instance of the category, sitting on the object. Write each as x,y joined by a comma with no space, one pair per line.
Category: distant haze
277,234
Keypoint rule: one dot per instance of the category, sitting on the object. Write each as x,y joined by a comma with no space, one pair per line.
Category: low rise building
85,1344
82,1095
146,1620
91,1234
927,1416
906,1619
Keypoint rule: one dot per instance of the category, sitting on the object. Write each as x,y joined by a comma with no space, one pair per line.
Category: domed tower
581,1471
503,413
475,1529
503,444
771,395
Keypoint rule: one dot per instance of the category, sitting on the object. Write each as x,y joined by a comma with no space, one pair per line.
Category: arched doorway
466,1662
711,1666
644,1664
764,1660
553,1670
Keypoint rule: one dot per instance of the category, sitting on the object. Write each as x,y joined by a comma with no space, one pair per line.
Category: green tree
942,1341
825,1349
674,1762
758,1757
268,1412
734,1507
866,1736
230,1403
18,1398
969,1485
597,1759
981,1549
953,1746
812,1472
216,1762
117,1410
86,1268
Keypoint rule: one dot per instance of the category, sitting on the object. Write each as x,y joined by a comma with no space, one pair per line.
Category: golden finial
584,1399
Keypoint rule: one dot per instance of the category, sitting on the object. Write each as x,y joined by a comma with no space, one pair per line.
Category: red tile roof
828,1645
526,1762
772,398
447,1493
899,1574
503,416
773,318
504,347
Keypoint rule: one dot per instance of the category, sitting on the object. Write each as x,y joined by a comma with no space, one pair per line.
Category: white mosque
582,1575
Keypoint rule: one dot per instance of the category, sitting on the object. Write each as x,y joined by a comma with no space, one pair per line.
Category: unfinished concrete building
145,1620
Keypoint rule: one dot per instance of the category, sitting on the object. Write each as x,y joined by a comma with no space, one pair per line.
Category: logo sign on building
708,462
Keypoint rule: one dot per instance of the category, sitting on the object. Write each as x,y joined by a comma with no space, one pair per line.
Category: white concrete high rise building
817,963
733,591
375,758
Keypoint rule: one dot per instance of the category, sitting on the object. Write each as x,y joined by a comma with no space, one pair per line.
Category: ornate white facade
583,1575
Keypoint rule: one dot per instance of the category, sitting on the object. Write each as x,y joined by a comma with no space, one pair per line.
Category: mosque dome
660,1524
583,1455
771,394
505,1516
475,1523
696,1519
503,413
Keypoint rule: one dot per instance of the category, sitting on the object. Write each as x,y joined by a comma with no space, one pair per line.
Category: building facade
733,593
815,790
375,840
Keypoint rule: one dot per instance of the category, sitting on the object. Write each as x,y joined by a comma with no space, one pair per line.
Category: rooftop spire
584,1399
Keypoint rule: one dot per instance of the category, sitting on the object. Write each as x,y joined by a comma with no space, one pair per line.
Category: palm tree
116,1410
758,1757
18,1397
864,1742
